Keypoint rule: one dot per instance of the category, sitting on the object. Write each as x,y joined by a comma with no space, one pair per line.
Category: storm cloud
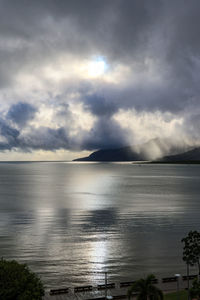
83,75
21,113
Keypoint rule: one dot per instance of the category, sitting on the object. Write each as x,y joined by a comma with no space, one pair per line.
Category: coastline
118,292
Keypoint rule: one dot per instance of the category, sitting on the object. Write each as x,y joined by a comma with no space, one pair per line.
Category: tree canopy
17,282
145,289
195,290
191,249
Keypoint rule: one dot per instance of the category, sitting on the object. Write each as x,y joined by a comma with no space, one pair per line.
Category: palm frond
145,288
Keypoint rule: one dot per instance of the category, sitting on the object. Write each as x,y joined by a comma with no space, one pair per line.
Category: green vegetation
195,289
146,289
191,256
173,296
191,250
18,282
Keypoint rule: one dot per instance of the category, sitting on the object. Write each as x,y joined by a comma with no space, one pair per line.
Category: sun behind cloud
96,68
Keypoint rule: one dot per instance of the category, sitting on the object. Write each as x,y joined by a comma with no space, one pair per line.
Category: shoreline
116,290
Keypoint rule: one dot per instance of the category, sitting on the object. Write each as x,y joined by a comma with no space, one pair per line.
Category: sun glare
96,68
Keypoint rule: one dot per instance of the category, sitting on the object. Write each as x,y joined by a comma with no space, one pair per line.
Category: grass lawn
173,296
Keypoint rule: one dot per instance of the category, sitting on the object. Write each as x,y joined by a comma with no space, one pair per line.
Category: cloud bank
53,96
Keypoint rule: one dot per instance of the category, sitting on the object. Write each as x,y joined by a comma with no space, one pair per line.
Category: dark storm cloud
100,106
157,40
37,30
41,138
21,112
122,30
106,133
46,138
101,135
10,135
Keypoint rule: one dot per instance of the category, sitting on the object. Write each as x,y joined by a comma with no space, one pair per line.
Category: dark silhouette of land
130,154
120,154
192,156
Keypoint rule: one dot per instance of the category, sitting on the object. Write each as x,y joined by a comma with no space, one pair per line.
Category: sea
70,221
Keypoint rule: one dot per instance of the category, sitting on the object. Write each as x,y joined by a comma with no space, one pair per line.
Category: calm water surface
72,221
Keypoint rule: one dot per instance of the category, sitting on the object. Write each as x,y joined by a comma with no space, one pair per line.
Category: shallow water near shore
70,222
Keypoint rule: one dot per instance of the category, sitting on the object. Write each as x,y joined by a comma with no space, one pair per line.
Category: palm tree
145,290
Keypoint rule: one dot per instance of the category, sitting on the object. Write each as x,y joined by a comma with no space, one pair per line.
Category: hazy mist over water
71,221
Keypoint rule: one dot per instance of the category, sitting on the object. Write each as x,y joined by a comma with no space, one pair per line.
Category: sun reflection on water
97,257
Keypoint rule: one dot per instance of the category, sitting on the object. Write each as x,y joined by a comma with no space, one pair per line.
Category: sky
77,76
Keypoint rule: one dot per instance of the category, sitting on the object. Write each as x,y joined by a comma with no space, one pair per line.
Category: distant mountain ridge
120,154
141,153
192,155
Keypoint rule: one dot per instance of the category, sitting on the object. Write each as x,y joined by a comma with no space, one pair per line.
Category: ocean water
70,222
